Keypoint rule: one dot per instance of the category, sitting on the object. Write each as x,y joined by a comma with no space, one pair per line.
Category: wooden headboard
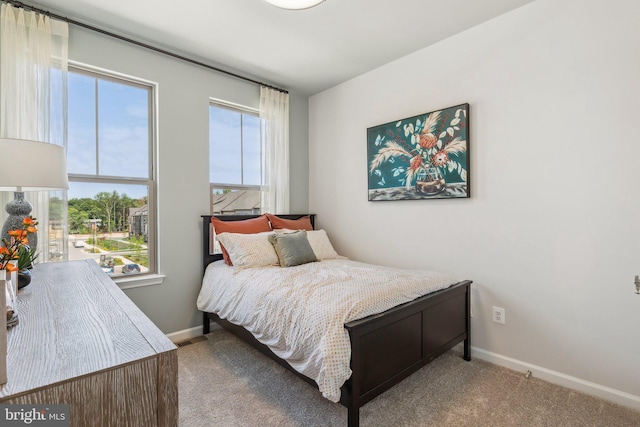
207,257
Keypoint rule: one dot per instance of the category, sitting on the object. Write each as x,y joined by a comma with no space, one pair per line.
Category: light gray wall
183,162
552,230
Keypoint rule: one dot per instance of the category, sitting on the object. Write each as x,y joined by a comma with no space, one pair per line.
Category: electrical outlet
498,314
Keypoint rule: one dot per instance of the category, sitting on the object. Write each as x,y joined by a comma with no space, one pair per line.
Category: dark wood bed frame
386,347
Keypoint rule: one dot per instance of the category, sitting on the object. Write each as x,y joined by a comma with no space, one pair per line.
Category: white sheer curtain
274,112
33,105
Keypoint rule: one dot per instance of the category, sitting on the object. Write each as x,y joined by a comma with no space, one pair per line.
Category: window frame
153,276
242,109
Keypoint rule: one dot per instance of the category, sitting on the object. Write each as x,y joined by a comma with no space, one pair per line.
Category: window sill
139,281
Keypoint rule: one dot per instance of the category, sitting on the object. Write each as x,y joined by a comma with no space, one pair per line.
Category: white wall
183,162
551,232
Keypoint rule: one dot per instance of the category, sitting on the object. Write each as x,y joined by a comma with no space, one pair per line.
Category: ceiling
307,50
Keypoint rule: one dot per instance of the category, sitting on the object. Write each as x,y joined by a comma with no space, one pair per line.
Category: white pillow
321,245
249,250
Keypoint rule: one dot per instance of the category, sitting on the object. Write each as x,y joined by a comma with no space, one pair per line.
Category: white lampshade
294,4
32,166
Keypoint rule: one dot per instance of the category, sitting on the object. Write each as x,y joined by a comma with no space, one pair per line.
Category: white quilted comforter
300,312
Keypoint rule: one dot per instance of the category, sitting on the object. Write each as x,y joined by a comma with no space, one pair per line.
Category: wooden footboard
390,346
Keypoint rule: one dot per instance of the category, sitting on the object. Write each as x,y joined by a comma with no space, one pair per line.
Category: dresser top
74,321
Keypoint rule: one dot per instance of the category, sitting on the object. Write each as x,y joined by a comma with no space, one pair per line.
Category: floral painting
421,157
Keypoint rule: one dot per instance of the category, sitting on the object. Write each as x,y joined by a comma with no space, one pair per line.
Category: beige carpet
224,382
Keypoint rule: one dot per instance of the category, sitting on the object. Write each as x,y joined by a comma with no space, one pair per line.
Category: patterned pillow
292,248
248,226
249,250
321,245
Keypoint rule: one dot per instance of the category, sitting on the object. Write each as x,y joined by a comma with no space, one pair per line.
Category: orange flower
18,234
428,140
415,163
441,158
10,248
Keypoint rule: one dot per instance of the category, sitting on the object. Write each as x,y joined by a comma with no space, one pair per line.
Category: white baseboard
587,387
187,334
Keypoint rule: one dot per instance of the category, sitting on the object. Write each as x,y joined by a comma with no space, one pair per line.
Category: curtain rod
137,43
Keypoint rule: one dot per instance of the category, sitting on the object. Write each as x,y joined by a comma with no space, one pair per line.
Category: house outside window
139,222
110,161
236,166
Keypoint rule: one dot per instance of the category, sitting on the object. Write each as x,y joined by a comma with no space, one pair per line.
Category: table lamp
29,166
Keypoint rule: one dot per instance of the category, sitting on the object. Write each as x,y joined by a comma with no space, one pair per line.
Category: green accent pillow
292,248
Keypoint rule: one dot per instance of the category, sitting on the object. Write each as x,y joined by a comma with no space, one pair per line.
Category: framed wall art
420,157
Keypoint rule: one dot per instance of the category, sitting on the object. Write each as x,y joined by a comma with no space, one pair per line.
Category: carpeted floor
224,382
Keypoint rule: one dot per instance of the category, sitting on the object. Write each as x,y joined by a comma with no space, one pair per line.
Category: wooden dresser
83,342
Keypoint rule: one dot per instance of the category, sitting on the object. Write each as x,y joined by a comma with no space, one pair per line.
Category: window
235,159
110,160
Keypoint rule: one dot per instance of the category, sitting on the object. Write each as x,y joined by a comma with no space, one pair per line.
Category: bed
385,347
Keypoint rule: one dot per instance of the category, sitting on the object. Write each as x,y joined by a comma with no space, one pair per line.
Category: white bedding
300,312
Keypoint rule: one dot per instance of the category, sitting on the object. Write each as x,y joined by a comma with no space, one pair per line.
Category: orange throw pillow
246,226
302,223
